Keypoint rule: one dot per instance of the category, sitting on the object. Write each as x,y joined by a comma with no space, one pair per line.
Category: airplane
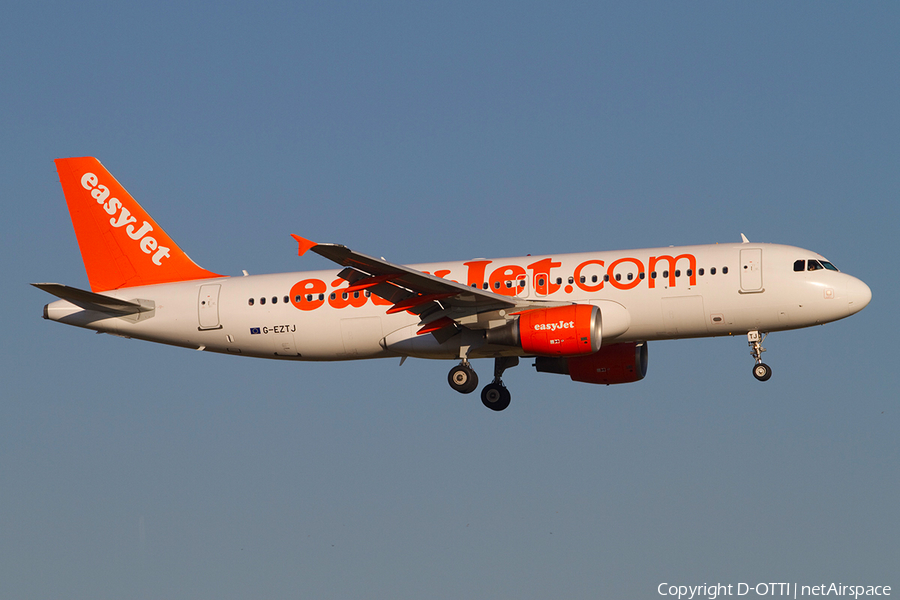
589,316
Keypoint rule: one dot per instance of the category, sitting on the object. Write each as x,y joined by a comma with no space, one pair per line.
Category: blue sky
422,133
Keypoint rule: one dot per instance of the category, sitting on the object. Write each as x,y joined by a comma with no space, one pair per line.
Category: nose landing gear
761,370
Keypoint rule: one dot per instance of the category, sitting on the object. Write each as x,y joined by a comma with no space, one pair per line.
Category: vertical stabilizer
121,245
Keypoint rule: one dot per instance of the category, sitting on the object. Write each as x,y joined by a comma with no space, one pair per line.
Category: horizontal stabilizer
91,301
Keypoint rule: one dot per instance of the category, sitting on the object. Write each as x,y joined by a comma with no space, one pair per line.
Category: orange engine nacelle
559,331
619,363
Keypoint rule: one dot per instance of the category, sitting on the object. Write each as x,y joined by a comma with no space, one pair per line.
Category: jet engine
572,330
619,363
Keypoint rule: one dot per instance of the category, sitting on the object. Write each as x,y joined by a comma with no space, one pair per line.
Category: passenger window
700,272
712,271
641,275
274,299
250,301
677,272
724,270
559,281
262,300
799,265
593,279
287,299
571,280
630,276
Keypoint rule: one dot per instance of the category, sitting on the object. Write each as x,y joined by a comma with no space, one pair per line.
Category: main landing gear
495,396
761,370
463,378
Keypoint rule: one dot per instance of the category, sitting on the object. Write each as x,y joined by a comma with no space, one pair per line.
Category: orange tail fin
121,245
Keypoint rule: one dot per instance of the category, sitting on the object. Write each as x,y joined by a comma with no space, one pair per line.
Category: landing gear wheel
463,379
762,371
495,396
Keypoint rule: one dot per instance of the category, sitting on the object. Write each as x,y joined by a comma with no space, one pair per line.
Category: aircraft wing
442,305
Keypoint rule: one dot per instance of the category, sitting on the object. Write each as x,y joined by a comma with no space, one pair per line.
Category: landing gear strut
761,370
463,378
495,395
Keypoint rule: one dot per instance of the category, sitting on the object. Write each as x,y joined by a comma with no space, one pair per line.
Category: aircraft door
684,315
541,284
362,335
751,270
283,341
208,306
523,290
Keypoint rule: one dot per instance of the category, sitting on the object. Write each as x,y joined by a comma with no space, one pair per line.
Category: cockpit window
813,265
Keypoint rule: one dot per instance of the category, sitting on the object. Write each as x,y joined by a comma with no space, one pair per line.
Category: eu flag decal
254,331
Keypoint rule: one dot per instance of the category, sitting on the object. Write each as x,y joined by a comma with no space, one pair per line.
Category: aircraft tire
495,397
762,371
463,379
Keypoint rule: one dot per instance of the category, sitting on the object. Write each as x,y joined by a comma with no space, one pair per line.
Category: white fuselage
648,294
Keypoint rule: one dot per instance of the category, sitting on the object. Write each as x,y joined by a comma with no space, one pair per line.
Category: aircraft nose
859,295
